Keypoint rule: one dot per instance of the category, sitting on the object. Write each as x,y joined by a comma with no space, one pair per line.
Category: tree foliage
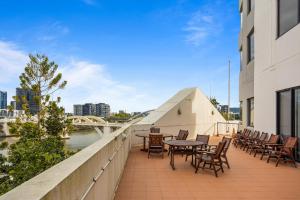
40,145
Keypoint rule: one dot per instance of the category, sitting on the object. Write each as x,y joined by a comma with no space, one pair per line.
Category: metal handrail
100,173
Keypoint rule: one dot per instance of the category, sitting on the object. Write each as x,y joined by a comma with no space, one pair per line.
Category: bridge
99,124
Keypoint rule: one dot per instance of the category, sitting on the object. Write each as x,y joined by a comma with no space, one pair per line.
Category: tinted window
288,15
251,46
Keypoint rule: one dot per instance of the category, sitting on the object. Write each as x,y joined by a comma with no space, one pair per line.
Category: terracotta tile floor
248,178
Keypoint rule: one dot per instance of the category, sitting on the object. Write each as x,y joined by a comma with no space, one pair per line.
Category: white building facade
273,101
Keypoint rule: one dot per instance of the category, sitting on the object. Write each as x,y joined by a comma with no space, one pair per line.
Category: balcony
248,178
102,171
115,168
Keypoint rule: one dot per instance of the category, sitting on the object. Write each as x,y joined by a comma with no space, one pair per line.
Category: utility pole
228,111
228,89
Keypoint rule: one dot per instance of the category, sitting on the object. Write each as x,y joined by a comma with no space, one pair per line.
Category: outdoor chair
156,144
154,130
213,159
239,139
227,140
182,135
243,141
251,140
284,152
201,138
257,143
265,147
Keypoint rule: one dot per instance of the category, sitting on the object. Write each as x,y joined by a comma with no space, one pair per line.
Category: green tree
214,101
40,145
41,77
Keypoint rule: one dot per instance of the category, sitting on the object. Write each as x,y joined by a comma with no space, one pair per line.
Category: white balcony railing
92,173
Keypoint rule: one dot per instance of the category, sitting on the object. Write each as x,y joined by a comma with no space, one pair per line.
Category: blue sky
132,54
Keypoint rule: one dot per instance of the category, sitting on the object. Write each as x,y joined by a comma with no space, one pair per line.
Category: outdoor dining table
146,135
182,144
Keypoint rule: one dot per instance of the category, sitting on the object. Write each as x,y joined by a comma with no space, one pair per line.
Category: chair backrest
247,133
228,141
291,142
203,138
154,130
182,135
257,135
273,139
219,149
263,136
155,139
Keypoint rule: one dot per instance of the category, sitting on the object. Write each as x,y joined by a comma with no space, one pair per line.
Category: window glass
251,46
251,112
285,100
297,119
241,59
288,15
241,111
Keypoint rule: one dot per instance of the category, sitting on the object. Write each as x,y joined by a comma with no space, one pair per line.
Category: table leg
144,145
172,158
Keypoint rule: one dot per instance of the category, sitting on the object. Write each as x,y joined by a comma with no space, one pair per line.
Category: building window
241,111
241,17
250,39
241,59
288,15
251,112
288,115
251,5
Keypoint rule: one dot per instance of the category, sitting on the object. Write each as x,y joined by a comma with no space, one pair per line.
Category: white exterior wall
198,116
277,63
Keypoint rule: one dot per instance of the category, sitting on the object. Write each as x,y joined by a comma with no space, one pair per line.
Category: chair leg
198,165
221,165
226,161
278,160
215,170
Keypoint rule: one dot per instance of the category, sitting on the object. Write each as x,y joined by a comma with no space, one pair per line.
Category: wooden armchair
227,141
213,159
257,143
182,135
248,143
201,138
156,144
265,147
284,152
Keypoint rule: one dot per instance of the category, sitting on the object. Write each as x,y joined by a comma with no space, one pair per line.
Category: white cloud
12,62
202,25
90,82
87,82
52,31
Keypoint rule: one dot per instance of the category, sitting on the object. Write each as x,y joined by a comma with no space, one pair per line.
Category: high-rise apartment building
89,109
29,100
102,110
3,100
78,110
269,44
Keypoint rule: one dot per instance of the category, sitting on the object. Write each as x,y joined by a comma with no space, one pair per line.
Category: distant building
78,110
29,99
224,108
88,109
102,110
13,104
3,100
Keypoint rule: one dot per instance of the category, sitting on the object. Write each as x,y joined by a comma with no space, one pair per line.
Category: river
78,140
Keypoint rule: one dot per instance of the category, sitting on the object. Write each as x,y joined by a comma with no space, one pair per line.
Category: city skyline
113,58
